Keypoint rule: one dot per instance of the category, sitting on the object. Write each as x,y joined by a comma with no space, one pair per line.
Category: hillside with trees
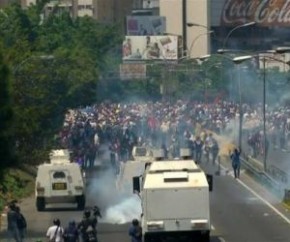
51,65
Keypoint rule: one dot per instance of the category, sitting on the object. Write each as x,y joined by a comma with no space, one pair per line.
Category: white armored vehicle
146,154
141,156
59,181
175,201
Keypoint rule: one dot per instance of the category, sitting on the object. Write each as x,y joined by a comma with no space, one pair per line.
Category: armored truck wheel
81,201
40,203
151,238
205,237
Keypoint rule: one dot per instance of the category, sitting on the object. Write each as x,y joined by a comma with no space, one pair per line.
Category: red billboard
266,13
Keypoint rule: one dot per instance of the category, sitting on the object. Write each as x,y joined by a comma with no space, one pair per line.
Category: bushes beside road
16,184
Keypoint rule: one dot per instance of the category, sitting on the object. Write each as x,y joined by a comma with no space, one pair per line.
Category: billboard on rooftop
150,48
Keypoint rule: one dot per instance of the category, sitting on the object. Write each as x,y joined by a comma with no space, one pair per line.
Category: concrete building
196,39
108,11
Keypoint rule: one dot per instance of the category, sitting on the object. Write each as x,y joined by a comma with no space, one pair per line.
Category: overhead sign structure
145,25
150,48
132,71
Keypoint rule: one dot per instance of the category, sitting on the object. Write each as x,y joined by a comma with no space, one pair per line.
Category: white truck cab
59,181
175,201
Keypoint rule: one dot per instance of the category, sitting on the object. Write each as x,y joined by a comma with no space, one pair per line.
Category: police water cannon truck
147,154
142,155
175,201
59,181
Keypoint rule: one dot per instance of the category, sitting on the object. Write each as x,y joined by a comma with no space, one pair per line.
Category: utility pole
184,25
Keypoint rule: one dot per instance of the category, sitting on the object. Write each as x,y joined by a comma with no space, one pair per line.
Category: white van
59,182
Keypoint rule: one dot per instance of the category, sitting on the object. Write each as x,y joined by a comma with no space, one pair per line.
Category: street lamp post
264,115
235,28
241,59
191,24
237,60
241,113
194,41
206,71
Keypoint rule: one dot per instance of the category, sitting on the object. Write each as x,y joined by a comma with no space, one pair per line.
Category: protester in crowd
214,151
55,232
198,144
88,225
135,231
71,233
236,163
21,223
12,223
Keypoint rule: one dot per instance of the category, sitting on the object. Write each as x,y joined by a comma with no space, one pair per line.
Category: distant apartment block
109,11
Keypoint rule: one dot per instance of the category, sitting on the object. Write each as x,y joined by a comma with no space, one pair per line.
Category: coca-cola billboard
263,12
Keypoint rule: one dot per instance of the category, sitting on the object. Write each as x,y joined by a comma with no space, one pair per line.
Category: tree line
47,66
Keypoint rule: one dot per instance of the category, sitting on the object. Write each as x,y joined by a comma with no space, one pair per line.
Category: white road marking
263,200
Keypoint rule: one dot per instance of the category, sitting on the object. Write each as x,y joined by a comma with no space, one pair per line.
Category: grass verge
16,184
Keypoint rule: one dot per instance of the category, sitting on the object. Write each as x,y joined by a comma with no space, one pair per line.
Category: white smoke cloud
125,211
118,204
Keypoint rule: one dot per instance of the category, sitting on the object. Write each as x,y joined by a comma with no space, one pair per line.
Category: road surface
241,210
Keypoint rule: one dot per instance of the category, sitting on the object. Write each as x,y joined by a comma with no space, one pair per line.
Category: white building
197,12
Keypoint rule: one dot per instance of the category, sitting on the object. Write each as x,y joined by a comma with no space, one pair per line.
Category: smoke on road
117,206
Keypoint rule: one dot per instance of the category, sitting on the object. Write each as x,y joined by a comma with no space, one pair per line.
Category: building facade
107,11
191,20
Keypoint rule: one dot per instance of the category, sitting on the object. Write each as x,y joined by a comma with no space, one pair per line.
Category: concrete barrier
256,164
278,174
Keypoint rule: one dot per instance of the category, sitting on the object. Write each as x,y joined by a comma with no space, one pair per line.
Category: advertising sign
132,71
145,25
150,47
263,12
150,3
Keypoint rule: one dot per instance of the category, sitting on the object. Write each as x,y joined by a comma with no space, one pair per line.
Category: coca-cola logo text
263,12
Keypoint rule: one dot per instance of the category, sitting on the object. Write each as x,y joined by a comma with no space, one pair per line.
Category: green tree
6,118
55,65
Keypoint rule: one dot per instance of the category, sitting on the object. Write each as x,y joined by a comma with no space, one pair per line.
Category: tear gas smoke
116,206
125,211
232,130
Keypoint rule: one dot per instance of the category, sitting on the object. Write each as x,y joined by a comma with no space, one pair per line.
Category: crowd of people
160,124
170,126
85,230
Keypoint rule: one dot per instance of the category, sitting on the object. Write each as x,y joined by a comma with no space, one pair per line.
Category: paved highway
241,210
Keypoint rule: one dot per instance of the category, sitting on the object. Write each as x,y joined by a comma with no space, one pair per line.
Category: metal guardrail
259,173
278,174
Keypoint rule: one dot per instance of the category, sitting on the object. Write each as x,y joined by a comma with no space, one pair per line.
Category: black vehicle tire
40,203
81,201
150,238
205,237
